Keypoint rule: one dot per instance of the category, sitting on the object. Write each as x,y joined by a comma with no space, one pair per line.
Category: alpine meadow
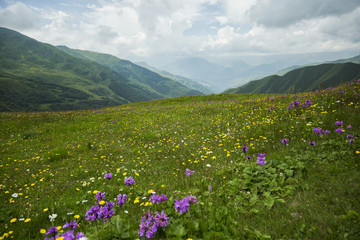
227,166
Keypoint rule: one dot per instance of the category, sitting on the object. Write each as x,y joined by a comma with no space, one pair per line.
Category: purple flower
183,205
158,199
339,130
349,126
244,148
108,176
161,220
285,141
325,131
290,106
317,131
312,143
71,225
339,123
189,172
106,212
93,213
248,157
100,196
129,181
52,231
261,159
121,199
210,189
296,103
308,103
351,140
349,136
68,235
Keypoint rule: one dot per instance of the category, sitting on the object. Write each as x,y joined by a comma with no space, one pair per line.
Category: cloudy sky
154,29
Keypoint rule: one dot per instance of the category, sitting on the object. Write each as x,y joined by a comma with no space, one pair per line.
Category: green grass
55,161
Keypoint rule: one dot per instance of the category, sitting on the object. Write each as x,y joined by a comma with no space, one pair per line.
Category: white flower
126,212
15,195
52,217
21,219
83,238
208,165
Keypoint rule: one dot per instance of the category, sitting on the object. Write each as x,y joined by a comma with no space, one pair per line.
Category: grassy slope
303,79
56,160
140,75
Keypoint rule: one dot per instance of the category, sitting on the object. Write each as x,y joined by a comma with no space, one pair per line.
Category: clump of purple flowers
351,138
129,181
68,235
307,103
339,130
248,157
108,176
317,131
244,148
121,199
339,123
150,223
189,172
182,206
261,159
158,199
100,196
285,141
312,143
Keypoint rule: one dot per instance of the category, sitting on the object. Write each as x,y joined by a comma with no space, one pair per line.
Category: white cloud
18,16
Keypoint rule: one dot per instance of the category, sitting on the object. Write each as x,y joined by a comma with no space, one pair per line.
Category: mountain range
303,79
37,76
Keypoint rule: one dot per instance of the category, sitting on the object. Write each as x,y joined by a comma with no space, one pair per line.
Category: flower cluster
285,141
158,199
68,235
312,143
150,223
319,131
129,181
339,123
244,148
189,172
261,159
297,104
339,130
183,205
121,199
104,212
108,176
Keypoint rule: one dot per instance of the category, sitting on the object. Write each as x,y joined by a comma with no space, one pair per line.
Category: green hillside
137,74
303,79
37,76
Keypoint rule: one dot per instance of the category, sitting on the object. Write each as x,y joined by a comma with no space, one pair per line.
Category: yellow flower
102,202
42,231
95,191
124,174
77,216
13,220
27,220
11,232
151,191
45,209
58,228
357,152
162,185
60,238
136,200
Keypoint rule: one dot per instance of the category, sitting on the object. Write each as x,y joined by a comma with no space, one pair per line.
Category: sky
155,30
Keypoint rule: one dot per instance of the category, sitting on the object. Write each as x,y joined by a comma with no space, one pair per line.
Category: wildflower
308,103
161,220
296,103
158,199
208,165
107,211
52,231
261,159
285,141
317,131
93,213
150,224
71,224
189,172
13,220
77,216
210,189
52,217
339,123
121,199
312,143
108,176
15,195
183,205
27,220
45,209
244,148
349,126
42,231
129,181
339,130
325,131
100,196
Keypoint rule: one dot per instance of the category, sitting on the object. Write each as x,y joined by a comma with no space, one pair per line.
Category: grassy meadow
231,166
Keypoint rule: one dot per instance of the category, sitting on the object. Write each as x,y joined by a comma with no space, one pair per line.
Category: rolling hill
303,79
36,76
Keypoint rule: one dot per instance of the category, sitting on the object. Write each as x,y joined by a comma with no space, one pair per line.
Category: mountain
217,77
38,76
183,80
303,79
139,75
